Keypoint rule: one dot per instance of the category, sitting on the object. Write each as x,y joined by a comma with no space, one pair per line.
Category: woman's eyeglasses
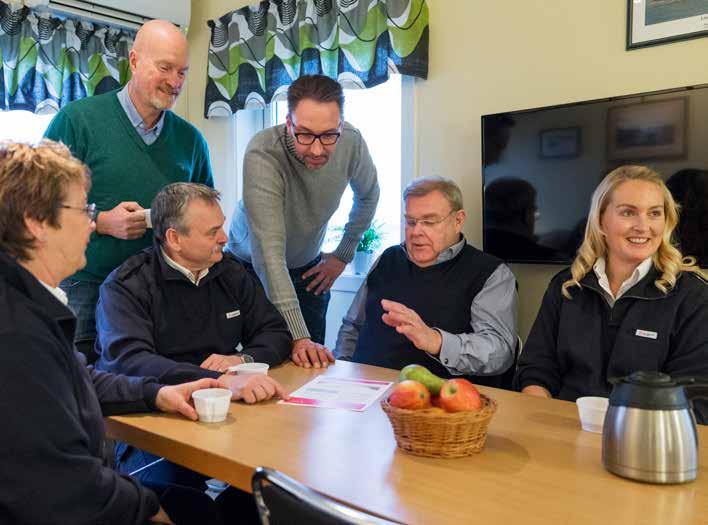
89,210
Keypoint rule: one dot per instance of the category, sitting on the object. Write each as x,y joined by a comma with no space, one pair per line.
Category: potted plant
369,243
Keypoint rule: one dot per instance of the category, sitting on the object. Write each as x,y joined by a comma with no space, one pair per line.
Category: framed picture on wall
559,143
652,22
647,130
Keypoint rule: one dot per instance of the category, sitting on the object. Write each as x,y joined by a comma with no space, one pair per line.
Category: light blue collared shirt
149,135
487,349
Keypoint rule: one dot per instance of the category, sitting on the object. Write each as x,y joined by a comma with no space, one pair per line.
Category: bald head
158,63
159,33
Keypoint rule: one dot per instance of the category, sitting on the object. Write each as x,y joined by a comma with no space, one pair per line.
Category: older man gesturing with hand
434,300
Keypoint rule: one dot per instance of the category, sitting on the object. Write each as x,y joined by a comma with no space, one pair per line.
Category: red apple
410,394
459,395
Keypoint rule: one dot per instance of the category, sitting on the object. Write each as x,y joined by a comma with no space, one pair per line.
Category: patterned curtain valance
46,62
257,51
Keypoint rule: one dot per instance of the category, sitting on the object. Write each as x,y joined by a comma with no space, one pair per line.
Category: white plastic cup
148,218
212,404
592,413
250,368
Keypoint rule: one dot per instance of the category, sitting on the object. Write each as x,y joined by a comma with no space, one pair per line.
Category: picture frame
559,143
655,22
647,130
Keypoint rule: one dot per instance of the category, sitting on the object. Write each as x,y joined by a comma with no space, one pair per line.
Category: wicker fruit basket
434,433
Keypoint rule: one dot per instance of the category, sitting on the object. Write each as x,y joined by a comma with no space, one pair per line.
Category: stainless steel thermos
650,430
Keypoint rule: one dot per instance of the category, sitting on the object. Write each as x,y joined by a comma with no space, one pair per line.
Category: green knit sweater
124,168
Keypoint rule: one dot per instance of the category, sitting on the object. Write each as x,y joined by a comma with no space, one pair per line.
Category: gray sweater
281,221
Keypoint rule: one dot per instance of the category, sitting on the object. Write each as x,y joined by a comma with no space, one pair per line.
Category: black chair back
281,500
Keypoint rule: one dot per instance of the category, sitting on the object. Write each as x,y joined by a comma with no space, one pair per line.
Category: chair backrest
282,500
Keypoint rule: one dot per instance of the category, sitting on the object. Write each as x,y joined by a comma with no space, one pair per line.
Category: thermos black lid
650,391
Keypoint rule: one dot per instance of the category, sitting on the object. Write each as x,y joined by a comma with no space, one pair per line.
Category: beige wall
219,133
488,57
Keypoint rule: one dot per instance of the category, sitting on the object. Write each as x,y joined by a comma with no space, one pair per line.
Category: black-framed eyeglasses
89,210
326,139
425,223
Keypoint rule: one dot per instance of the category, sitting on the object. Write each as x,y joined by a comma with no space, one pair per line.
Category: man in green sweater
294,176
134,145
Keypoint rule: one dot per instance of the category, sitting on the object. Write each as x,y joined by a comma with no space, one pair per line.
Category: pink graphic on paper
305,401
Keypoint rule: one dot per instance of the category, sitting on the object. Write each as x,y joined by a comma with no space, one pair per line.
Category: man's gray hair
170,205
425,185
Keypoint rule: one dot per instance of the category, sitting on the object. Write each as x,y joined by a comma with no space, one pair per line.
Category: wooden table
538,467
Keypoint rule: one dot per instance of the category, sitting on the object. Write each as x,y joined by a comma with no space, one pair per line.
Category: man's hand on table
407,322
125,221
325,273
221,363
252,388
177,399
536,390
308,354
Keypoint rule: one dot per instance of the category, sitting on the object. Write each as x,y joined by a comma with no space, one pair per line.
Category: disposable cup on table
212,404
250,368
592,411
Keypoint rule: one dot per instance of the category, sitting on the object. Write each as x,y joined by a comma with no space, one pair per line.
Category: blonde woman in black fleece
629,302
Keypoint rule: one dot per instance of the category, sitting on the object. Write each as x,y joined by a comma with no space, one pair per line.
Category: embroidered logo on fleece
646,333
231,315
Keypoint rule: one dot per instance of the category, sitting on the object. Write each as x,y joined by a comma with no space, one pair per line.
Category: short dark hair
509,198
33,184
690,189
319,88
170,205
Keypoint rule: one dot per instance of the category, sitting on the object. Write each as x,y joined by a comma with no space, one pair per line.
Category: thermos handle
696,387
699,390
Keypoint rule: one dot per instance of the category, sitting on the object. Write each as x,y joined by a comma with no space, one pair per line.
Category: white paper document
338,392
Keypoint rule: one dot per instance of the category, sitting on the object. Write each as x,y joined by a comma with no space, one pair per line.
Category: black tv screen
540,167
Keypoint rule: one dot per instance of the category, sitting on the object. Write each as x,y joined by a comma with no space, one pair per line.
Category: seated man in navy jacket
434,300
184,309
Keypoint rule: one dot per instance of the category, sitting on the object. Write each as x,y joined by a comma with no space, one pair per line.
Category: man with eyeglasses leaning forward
294,176
434,300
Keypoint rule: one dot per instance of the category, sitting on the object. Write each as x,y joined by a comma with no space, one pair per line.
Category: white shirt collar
56,292
639,273
184,271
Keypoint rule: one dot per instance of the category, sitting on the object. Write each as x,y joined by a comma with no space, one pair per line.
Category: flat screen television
540,167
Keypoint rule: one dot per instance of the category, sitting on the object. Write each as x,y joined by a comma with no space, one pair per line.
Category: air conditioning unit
125,13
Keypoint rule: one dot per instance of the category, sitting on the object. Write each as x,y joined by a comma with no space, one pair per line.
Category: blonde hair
667,259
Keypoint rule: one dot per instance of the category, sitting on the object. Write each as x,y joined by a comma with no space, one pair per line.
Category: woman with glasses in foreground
52,445
630,301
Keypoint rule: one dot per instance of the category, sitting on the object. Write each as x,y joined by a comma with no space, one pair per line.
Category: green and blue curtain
46,62
257,51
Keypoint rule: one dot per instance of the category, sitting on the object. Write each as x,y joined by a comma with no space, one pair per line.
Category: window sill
348,281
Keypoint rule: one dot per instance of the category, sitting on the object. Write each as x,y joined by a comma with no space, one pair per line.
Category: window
377,113
23,126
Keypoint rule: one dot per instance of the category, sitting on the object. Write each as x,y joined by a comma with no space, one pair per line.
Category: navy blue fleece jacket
52,441
153,321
